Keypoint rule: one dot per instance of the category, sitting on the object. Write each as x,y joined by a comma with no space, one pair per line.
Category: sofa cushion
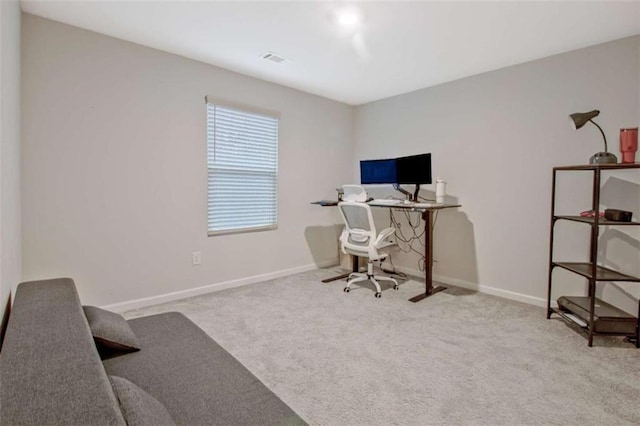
111,332
138,407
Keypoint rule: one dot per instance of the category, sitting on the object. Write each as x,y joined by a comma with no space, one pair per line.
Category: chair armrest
383,235
343,238
387,243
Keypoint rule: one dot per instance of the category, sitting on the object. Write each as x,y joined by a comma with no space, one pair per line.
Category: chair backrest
354,193
360,230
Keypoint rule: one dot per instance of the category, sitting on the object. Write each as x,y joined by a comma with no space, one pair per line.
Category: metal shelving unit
594,273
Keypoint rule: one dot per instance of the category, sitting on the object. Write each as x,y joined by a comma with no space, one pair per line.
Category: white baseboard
327,263
506,294
182,294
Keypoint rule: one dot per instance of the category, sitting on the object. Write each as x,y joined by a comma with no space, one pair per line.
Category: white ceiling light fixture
348,17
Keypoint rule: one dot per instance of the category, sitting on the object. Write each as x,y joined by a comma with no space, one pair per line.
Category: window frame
243,108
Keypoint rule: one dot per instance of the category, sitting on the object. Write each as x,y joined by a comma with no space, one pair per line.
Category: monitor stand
411,197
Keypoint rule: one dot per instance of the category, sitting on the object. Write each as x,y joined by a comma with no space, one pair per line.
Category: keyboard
402,203
385,202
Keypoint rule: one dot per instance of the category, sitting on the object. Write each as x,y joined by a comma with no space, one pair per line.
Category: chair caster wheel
396,287
346,289
378,295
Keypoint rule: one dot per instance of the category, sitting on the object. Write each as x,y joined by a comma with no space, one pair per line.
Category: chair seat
365,253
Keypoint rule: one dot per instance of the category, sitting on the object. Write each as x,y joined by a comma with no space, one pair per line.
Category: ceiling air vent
270,56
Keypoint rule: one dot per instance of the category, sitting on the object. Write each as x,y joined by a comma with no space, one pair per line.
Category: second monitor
414,169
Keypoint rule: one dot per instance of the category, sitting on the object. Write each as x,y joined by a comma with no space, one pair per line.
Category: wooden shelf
586,317
602,273
601,222
600,166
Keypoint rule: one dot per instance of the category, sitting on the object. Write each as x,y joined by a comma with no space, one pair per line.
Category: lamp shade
579,119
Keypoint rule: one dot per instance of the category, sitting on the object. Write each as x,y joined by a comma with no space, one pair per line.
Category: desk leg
355,264
429,290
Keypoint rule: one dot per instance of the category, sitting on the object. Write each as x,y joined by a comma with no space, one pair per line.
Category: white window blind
242,164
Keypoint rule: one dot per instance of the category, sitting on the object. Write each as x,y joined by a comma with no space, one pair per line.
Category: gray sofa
51,372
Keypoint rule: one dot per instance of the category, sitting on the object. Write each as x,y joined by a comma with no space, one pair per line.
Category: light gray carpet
459,357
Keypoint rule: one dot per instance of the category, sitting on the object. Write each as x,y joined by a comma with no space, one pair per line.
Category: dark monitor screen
378,171
414,169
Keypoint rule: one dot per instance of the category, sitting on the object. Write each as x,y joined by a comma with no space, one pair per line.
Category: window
242,169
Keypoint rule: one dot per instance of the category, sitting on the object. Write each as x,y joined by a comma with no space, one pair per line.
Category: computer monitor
414,169
410,170
378,171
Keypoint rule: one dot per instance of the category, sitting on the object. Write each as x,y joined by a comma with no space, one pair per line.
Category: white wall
495,138
114,176
10,239
114,171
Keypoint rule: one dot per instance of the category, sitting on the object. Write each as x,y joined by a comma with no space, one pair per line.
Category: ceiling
398,47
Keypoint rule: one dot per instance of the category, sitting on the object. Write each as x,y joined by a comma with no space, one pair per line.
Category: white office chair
360,239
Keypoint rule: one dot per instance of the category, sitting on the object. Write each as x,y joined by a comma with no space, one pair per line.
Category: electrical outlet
196,258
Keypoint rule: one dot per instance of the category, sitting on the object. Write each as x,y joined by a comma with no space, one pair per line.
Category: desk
427,216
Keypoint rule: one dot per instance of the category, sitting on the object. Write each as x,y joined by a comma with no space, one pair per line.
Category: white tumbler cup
441,188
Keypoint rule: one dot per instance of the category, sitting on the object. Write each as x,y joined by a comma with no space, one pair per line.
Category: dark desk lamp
578,120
